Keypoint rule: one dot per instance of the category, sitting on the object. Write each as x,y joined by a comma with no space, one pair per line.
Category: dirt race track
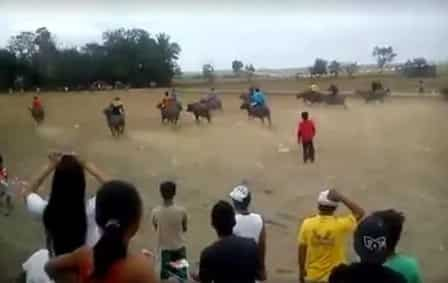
382,155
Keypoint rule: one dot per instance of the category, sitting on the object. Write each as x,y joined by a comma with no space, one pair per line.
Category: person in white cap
248,224
321,239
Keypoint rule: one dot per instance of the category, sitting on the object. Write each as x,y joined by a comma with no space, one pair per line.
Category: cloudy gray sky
274,33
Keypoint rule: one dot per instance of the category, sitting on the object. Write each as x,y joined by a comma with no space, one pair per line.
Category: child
5,192
305,134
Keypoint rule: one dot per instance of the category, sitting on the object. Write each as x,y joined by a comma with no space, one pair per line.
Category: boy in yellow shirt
322,238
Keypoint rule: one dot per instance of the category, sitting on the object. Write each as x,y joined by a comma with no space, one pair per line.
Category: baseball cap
239,193
325,201
371,240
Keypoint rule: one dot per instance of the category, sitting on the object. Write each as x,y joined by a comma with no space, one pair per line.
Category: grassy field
382,155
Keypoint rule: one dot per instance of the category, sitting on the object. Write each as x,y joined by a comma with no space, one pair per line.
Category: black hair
326,209
257,89
394,224
167,93
223,218
305,115
168,190
242,205
118,207
1,159
65,217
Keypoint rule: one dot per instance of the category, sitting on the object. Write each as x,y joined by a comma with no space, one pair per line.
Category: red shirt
37,104
3,174
306,130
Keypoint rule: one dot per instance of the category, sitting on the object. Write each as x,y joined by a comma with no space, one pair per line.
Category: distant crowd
87,240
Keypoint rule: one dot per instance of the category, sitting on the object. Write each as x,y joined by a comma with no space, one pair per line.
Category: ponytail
109,249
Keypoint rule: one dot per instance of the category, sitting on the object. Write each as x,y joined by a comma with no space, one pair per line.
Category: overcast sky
269,34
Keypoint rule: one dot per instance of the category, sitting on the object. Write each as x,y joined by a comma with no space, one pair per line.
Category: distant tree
334,68
208,72
351,68
8,69
319,67
249,70
23,45
418,67
384,55
237,66
177,70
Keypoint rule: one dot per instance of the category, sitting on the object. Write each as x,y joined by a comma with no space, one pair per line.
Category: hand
334,195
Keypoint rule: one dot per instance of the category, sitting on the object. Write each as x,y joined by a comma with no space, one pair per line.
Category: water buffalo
260,112
170,112
116,123
213,102
377,95
38,114
200,109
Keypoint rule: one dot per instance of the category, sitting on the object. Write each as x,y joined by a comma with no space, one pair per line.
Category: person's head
167,93
325,205
257,89
65,216
394,223
168,190
118,213
371,240
241,197
36,97
223,218
117,98
1,161
304,115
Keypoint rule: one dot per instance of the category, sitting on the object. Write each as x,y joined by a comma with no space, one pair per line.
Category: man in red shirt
305,134
37,103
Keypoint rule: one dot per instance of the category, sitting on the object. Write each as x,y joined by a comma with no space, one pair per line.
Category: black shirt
365,273
230,260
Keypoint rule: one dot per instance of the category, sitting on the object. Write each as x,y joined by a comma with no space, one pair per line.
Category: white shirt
34,267
248,226
36,207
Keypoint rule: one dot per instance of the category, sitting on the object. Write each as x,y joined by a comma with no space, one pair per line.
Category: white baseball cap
239,193
324,200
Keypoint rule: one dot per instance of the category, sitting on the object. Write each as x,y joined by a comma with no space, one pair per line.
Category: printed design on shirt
322,239
374,244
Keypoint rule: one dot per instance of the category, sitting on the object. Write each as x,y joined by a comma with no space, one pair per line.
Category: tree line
130,56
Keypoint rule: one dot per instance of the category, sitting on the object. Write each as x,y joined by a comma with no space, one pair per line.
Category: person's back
248,226
306,130
364,273
230,260
405,265
325,237
170,231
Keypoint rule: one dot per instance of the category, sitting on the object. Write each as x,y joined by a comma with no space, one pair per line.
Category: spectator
231,258
371,243
68,219
5,190
305,135
405,265
170,222
109,260
322,237
249,225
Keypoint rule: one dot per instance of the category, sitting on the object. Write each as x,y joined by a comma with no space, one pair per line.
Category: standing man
5,190
170,222
231,259
322,238
248,224
305,135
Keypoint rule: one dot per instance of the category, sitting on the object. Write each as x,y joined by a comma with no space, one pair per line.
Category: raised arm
357,210
37,181
95,172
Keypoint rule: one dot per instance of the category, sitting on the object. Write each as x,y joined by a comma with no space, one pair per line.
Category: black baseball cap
371,240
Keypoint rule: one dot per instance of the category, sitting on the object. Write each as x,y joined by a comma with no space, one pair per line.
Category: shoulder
156,210
310,220
139,268
35,204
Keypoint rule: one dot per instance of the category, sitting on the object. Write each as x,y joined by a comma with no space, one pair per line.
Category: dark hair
305,115
117,98
242,205
394,224
168,190
257,89
118,207
1,158
326,209
65,217
223,218
167,93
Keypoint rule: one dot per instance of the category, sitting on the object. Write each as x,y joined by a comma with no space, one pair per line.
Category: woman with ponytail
118,213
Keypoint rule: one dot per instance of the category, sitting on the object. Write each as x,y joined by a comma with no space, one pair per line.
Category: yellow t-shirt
325,238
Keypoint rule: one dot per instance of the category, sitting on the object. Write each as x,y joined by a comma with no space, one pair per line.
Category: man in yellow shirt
322,238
